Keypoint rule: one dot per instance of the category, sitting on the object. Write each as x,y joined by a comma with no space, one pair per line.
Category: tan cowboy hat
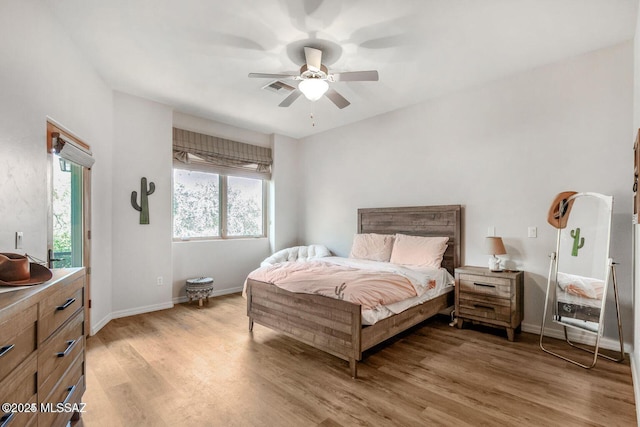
560,209
16,270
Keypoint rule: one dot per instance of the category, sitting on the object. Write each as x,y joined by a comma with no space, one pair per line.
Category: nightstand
490,298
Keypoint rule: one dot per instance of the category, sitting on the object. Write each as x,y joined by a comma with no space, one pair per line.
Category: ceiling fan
314,80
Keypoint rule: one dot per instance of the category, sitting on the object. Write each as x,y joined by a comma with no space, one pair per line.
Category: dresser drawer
57,353
58,307
68,391
17,339
484,307
19,387
494,286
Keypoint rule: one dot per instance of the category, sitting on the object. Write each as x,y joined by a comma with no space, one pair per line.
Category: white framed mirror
581,269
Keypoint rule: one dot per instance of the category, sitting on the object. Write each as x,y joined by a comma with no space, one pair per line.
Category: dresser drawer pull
70,389
6,419
70,345
6,349
488,307
66,304
484,284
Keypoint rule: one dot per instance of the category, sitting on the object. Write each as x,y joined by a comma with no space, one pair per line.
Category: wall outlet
491,231
159,281
19,236
532,232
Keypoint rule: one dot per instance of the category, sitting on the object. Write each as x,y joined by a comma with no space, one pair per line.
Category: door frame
54,127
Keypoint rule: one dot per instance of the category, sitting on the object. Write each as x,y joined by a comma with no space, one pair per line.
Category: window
244,207
211,205
219,187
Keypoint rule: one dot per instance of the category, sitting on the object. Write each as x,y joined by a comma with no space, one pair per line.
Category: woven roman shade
221,155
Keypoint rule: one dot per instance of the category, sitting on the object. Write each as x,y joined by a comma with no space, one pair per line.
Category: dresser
490,298
42,351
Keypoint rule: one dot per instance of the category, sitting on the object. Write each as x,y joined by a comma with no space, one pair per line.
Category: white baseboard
140,310
129,312
578,337
215,293
95,327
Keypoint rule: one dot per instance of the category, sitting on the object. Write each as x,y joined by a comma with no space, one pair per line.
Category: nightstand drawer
494,286
485,307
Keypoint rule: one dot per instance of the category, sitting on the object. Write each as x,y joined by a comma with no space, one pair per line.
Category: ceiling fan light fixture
313,89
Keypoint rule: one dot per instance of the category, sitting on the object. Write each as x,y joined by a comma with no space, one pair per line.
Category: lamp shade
313,89
494,246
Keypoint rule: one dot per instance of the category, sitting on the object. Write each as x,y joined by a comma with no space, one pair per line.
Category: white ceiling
195,54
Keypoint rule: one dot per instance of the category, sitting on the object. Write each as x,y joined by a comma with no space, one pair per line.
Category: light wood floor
201,367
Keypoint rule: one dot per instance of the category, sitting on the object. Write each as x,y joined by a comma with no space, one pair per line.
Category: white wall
43,74
141,253
503,151
226,261
284,190
229,261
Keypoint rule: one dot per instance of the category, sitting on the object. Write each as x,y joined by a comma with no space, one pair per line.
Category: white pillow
371,246
297,254
418,250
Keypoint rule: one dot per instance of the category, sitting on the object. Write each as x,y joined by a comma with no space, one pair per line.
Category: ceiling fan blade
313,57
289,99
356,76
272,76
337,99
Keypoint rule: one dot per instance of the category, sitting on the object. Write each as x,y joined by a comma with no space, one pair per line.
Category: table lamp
494,246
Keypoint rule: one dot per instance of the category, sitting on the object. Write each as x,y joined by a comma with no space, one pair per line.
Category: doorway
69,206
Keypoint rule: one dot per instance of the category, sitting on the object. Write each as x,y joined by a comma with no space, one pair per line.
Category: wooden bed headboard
418,221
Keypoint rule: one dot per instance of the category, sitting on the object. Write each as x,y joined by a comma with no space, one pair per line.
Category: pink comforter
365,287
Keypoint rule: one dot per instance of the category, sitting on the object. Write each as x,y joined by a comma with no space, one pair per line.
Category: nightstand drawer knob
484,284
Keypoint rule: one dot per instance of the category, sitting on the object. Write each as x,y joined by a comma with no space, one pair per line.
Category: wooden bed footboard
328,324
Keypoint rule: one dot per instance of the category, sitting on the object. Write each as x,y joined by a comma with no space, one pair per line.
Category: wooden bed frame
335,326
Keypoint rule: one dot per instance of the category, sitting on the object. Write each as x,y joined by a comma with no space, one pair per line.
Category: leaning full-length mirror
581,270
582,261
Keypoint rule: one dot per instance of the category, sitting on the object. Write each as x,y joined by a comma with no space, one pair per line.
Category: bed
335,326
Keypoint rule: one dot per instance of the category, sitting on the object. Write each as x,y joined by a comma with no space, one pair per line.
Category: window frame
222,204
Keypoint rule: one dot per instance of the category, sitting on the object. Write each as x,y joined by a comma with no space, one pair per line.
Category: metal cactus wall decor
576,238
143,207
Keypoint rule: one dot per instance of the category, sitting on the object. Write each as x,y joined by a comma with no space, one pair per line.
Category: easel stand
587,327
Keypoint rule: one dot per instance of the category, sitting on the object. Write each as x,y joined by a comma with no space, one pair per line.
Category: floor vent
278,86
